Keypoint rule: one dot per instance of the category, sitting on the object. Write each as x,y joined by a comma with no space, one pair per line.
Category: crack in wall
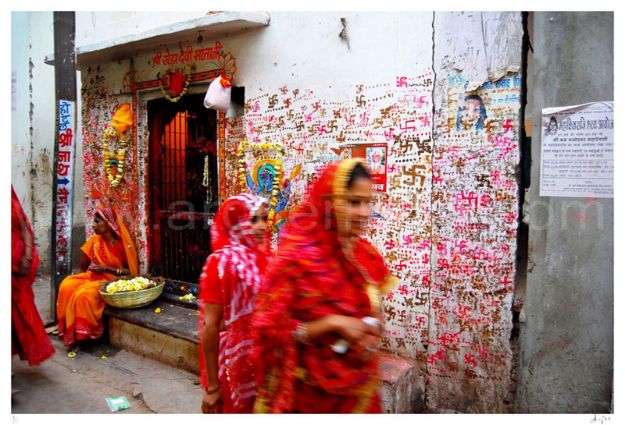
425,385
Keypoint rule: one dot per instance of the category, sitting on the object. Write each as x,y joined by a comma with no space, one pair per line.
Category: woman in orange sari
317,315
28,335
107,254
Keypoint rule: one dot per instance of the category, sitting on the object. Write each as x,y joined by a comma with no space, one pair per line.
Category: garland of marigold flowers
186,70
119,157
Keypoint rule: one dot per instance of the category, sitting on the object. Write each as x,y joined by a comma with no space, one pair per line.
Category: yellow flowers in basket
125,285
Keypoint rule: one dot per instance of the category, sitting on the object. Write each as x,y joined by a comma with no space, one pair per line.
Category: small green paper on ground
117,403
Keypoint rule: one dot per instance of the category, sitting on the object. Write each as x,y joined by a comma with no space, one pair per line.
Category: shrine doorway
183,185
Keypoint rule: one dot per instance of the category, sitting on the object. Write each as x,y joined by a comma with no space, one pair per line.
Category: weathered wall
567,339
20,110
334,93
450,214
32,125
317,82
474,210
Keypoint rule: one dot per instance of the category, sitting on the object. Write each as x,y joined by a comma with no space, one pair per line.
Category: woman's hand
97,268
356,331
212,403
352,329
25,264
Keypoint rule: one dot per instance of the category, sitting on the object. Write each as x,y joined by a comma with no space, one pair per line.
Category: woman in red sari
228,284
323,282
28,336
110,252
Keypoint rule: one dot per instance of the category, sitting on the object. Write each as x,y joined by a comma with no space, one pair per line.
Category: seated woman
110,252
317,314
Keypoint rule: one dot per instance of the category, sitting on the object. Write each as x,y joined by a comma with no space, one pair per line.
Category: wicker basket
132,299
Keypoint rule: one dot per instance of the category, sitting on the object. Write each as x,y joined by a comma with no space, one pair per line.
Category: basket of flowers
132,291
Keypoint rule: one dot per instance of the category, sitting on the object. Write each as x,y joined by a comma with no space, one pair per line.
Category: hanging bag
218,94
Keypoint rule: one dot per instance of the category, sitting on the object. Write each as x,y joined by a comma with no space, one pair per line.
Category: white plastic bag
217,96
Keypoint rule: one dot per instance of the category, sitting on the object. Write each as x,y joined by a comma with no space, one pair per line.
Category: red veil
312,276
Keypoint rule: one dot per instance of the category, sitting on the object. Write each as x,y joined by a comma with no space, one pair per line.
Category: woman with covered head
107,254
228,285
316,343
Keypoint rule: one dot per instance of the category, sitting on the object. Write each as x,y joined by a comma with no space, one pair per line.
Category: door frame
141,93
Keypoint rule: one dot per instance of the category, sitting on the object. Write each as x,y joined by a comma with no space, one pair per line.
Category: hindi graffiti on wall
64,175
577,153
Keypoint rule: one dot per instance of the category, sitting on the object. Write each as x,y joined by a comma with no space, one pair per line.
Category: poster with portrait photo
375,154
577,151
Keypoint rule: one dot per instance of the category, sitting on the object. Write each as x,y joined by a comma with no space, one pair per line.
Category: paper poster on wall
577,154
376,156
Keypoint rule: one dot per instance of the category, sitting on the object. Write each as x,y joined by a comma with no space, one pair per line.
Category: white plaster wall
32,127
284,52
42,43
304,50
20,106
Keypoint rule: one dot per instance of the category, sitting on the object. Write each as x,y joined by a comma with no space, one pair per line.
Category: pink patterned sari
230,277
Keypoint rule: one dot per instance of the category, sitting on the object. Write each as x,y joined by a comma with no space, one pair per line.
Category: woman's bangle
301,333
213,390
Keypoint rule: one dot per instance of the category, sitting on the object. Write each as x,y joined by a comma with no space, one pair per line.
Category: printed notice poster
376,156
577,155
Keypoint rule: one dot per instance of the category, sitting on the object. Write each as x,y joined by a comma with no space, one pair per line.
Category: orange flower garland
111,158
167,76
117,129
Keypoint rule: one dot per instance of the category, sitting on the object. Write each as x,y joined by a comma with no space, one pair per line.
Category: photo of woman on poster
376,158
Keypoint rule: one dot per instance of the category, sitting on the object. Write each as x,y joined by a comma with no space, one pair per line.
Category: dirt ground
82,383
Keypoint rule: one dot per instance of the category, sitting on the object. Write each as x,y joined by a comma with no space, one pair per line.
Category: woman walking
317,320
28,336
228,285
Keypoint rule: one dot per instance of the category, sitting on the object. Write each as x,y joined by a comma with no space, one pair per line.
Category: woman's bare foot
72,348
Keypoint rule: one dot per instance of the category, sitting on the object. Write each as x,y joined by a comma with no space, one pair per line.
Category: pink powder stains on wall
315,131
474,214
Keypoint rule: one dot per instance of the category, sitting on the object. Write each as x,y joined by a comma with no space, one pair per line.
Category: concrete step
171,337
403,390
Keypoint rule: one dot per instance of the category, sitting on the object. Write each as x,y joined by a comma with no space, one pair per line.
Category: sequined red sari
231,277
313,276
28,335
